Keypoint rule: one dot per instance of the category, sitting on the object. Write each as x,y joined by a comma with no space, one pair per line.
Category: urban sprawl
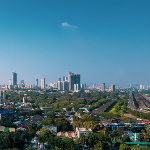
68,115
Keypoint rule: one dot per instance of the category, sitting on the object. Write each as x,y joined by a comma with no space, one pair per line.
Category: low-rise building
53,129
84,131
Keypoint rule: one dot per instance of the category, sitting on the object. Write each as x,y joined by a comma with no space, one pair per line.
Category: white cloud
65,24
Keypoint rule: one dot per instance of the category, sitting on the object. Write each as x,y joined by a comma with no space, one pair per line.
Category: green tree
62,124
44,135
11,140
47,121
35,112
101,146
56,148
90,125
50,114
91,140
81,140
77,124
29,148
124,147
68,143
81,112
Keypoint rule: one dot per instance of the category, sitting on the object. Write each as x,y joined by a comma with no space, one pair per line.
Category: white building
83,131
76,87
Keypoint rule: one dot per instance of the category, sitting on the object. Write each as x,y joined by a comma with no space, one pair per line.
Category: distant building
10,87
36,119
66,78
112,88
80,131
9,81
130,85
59,79
24,100
70,134
24,109
93,85
51,128
14,78
55,85
76,88
22,81
144,87
2,94
141,87
63,78
46,108
60,85
73,79
37,82
6,86
42,83
26,85
103,87
82,86
87,91
63,86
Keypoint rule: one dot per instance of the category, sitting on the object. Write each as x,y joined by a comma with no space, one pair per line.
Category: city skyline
104,41
75,80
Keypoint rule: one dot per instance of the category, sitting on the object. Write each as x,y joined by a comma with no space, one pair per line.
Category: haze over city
104,41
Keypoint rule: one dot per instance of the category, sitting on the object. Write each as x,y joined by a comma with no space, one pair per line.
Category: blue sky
105,41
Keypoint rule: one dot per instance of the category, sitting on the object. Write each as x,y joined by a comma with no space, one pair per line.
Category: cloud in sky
65,24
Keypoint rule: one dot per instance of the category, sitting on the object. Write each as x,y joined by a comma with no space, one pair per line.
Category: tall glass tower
14,78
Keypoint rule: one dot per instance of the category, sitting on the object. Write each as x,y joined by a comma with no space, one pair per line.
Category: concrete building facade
42,83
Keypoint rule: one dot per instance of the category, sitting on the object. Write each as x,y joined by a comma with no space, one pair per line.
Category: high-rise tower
112,88
14,78
103,87
42,83
73,79
37,82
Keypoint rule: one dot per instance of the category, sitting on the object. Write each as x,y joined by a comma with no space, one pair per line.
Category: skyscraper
69,73
112,88
63,78
14,78
37,82
103,87
73,79
66,78
42,83
82,86
63,85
